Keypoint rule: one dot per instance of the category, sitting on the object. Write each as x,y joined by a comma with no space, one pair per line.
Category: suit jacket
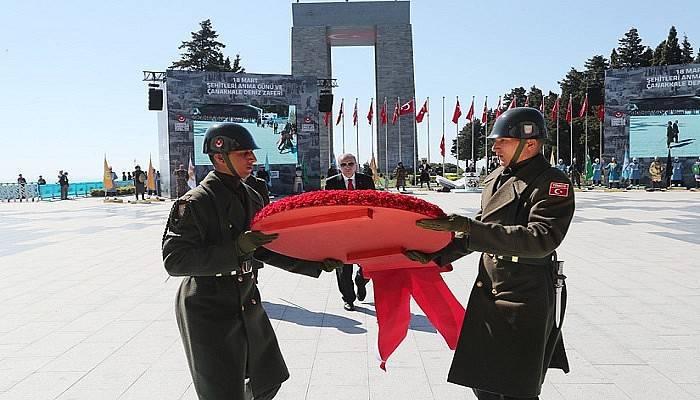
508,339
361,182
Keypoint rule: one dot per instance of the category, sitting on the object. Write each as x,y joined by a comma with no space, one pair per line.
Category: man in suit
350,179
512,332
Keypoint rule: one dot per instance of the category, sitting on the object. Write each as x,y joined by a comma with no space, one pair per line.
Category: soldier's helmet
225,137
520,123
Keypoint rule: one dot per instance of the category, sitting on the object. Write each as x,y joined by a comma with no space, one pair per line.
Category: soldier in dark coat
225,331
260,186
181,177
509,337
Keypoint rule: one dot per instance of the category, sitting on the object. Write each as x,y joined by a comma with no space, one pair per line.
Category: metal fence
34,192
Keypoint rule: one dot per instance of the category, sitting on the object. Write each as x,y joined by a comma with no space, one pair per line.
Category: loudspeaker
155,99
325,103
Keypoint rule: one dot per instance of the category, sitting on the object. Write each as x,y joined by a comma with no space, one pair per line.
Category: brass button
253,301
479,284
494,291
230,226
240,279
242,308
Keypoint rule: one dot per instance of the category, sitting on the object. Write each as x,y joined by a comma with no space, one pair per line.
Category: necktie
350,186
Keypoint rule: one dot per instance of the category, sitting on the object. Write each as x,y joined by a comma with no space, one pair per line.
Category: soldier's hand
331,264
248,241
450,223
420,256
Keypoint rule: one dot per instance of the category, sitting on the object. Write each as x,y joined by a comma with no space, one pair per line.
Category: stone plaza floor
86,309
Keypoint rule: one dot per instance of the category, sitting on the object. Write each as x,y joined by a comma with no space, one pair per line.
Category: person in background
400,173
123,175
425,173
696,173
139,182
349,179
677,176
597,175
113,177
635,172
656,171
64,184
575,173
22,182
158,184
614,172
560,165
181,177
41,181
263,174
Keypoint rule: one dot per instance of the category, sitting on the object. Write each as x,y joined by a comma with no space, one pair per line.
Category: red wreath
371,228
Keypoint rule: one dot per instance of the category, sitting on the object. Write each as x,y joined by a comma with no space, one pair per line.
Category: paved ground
87,313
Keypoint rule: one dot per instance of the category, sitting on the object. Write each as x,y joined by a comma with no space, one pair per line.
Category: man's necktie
350,186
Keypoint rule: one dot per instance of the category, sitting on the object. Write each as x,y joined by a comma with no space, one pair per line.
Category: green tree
673,49
614,59
519,94
630,52
594,76
203,52
686,51
659,57
535,96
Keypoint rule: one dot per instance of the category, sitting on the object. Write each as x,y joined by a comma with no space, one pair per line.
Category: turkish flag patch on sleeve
559,189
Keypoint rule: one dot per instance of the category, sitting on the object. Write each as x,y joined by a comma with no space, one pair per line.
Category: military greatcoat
509,338
226,333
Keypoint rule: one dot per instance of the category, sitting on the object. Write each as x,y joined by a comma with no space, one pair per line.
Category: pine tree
659,57
631,50
203,52
595,78
686,51
615,59
673,49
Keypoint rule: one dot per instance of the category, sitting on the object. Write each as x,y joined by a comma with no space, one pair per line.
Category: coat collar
512,188
229,199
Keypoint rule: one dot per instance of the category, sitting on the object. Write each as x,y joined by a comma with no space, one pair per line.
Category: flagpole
386,149
357,132
371,125
443,134
342,102
472,122
398,117
415,140
600,143
486,140
330,142
557,131
427,99
457,139
585,121
571,131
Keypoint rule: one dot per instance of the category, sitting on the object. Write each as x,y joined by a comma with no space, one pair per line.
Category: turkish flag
442,145
601,113
456,114
569,111
407,108
370,113
421,113
527,101
485,113
326,118
396,113
584,107
498,108
555,110
382,114
470,113
354,114
340,113
513,103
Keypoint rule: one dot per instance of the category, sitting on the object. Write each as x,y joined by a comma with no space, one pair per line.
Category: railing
33,191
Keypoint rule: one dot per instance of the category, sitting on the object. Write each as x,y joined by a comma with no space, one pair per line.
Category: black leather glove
420,256
248,241
331,264
450,223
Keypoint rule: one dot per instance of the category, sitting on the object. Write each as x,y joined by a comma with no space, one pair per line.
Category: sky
71,87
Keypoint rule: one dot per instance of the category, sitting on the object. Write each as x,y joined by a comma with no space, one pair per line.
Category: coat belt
246,268
523,260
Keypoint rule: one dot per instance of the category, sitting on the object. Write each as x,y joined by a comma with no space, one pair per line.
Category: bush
121,191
